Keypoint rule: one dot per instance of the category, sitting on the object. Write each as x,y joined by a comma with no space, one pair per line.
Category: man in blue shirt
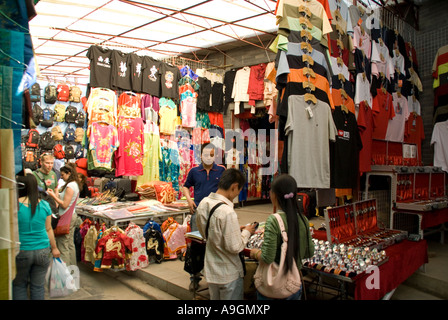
204,180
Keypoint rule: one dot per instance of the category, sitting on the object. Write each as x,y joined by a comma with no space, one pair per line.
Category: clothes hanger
305,35
309,72
308,85
304,22
306,58
344,94
309,97
306,47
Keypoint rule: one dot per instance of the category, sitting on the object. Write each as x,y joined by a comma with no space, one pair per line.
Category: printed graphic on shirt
345,135
123,69
138,70
103,62
169,77
153,75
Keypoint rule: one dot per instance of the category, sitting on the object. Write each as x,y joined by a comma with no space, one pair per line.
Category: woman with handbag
64,232
37,242
278,271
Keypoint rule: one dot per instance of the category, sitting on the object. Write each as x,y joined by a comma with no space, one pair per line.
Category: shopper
204,180
223,267
45,175
284,196
84,189
67,196
37,242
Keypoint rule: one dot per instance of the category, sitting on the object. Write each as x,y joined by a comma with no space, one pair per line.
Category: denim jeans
229,291
32,266
294,296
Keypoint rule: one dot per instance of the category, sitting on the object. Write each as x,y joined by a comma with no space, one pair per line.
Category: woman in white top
68,194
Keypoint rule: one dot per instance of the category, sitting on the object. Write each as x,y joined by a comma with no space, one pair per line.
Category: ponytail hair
285,189
29,190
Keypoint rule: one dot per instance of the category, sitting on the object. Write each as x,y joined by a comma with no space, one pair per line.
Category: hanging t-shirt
362,89
345,151
395,128
414,105
129,156
440,142
129,105
151,156
204,92
188,109
151,76
136,63
414,132
170,76
361,41
103,143
100,66
365,126
383,111
229,78
168,116
121,70
309,133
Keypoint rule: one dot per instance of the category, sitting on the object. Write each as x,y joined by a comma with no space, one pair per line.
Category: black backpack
51,94
37,114
70,134
47,118
80,119
69,152
33,139
35,93
70,114
46,141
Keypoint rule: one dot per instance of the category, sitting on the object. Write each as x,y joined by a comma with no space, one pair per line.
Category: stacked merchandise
345,78
58,124
440,86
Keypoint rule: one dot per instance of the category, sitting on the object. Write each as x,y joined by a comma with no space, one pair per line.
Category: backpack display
79,152
58,151
46,141
63,92
33,139
69,135
70,114
80,119
79,134
37,114
69,152
35,93
47,118
30,159
56,131
50,95
59,112
75,94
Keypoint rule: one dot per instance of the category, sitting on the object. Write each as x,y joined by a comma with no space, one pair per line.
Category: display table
404,259
126,212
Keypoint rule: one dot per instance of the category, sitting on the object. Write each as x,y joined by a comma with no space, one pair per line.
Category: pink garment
396,126
103,143
129,157
175,238
188,111
362,41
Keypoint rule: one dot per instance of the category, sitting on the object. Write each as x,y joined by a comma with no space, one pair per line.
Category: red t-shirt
383,111
414,132
365,126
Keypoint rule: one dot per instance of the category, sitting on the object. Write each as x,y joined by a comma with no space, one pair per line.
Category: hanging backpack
56,132
69,135
50,95
59,112
37,114
80,119
47,118
63,92
33,139
79,135
70,114
35,93
75,94
58,151
46,141
79,152
69,152
30,159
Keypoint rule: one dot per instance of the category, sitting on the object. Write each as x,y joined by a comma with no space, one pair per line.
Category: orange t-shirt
383,111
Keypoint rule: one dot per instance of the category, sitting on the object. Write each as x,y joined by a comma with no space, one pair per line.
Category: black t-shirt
170,76
344,153
151,76
204,92
229,78
217,97
121,71
100,66
136,62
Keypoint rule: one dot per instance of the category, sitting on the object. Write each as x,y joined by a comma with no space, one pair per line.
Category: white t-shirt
362,90
395,128
414,106
440,142
74,186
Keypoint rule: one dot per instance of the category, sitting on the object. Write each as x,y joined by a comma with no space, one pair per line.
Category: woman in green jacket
283,196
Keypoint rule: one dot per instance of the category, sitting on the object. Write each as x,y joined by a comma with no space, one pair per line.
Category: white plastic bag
61,282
